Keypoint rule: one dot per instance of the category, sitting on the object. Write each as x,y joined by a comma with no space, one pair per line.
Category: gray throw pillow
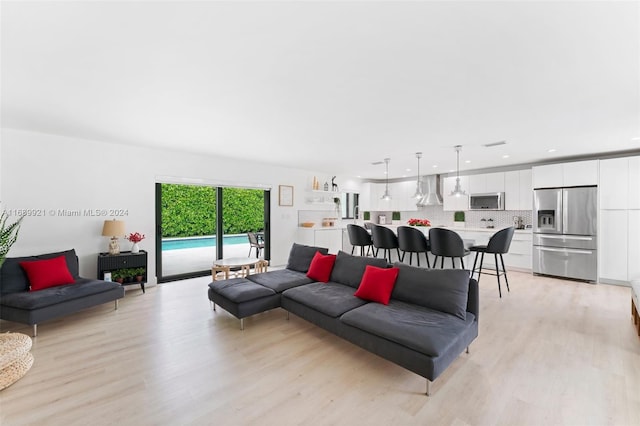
300,257
445,290
348,269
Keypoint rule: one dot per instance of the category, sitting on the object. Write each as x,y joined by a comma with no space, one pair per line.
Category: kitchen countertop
453,228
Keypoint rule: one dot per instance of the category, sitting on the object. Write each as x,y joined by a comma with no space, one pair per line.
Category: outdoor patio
182,261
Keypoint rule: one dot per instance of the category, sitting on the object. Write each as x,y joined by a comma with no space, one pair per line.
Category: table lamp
114,229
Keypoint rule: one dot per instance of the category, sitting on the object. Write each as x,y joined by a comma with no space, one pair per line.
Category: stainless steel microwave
490,201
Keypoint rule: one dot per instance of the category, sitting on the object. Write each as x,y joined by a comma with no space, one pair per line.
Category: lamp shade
113,228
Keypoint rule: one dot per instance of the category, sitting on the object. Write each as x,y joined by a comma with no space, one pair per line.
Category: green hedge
191,210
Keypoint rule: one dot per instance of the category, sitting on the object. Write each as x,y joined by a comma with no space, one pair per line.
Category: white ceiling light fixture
458,191
386,196
419,193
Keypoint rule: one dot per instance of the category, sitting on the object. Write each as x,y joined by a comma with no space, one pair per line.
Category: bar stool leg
495,255
426,255
505,272
435,262
480,270
352,249
474,264
453,262
397,251
417,257
442,263
462,262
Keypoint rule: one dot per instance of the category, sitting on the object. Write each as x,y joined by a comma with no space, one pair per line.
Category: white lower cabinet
613,249
633,253
519,255
330,238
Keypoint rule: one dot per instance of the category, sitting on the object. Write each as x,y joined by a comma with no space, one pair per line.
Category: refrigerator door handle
564,209
565,250
567,237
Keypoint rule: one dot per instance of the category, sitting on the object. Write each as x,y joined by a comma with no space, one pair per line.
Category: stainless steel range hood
432,197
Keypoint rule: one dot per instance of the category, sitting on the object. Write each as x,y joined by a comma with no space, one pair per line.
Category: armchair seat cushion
422,329
330,298
280,280
81,288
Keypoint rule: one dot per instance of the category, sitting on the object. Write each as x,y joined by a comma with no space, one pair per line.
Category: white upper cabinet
518,190
620,183
364,199
487,182
579,173
548,176
451,202
614,183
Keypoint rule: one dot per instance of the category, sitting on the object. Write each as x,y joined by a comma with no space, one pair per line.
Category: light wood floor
550,352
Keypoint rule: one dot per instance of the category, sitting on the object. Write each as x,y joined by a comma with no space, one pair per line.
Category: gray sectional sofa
18,304
431,319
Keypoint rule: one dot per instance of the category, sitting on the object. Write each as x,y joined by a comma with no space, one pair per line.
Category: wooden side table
224,266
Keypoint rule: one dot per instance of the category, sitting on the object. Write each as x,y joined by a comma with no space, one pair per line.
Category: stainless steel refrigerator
564,232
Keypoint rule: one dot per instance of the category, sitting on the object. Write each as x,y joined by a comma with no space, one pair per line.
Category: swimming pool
185,243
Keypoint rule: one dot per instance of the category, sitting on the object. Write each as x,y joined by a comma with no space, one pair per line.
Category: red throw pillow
47,273
377,284
321,267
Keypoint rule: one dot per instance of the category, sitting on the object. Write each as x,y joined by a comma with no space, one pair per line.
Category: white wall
48,173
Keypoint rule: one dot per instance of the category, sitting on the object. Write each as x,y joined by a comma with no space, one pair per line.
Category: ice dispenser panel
546,219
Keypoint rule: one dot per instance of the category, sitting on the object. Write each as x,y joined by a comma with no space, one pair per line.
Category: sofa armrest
473,302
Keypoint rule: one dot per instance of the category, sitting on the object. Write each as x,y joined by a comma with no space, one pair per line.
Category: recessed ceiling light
358,176
404,175
452,170
467,161
385,172
408,170
551,150
435,165
505,156
637,138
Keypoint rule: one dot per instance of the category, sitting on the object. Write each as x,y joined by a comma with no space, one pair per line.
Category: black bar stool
446,243
412,240
359,236
384,238
498,244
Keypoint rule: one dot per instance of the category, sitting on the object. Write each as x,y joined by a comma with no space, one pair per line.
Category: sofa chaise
18,304
431,318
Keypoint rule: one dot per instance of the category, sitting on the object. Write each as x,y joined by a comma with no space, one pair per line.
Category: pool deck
182,261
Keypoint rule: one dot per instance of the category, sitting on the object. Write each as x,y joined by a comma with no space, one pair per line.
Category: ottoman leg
241,323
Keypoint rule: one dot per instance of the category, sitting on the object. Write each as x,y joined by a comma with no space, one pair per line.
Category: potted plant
366,215
135,238
8,235
117,276
458,219
419,222
139,274
395,216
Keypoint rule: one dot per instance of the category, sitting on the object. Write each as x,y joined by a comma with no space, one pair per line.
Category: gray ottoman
242,298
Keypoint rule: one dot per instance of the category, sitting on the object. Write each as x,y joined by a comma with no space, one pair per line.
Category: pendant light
419,194
457,191
386,196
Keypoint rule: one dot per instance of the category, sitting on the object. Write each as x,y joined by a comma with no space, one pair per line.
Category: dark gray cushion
330,298
50,296
281,280
300,257
422,329
445,290
13,278
240,290
348,269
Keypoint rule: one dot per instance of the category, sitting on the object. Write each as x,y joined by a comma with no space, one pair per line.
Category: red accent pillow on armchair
47,273
377,284
321,267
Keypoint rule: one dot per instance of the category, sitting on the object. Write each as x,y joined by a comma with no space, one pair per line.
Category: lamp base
114,247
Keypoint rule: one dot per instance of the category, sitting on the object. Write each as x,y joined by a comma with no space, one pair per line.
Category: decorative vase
135,248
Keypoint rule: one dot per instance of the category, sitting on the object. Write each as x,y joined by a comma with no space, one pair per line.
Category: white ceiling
330,86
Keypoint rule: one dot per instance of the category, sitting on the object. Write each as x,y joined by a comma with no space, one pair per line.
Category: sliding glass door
197,224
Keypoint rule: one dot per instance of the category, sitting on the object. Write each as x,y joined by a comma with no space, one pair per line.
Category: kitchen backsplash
473,219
